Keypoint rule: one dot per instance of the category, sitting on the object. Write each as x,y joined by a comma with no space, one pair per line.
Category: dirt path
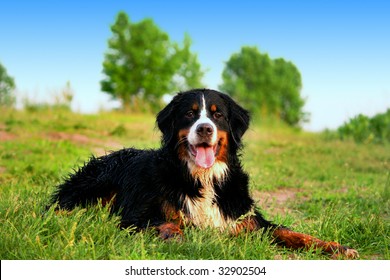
277,200
100,147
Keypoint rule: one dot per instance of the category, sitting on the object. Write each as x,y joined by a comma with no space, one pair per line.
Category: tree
189,74
142,64
265,86
7,85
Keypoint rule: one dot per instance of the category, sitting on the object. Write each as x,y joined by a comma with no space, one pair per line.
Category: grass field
334,190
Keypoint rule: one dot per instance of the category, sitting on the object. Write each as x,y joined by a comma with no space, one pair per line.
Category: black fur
164,188
143,180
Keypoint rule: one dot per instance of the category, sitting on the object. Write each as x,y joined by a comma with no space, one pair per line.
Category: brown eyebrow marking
195,107
213,108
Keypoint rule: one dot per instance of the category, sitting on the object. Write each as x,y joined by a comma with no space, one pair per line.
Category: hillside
331,189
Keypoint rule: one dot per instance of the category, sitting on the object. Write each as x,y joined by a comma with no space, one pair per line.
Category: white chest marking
204,211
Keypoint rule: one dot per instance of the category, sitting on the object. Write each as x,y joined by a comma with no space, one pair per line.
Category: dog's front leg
296,240
292,239
173,222
169,230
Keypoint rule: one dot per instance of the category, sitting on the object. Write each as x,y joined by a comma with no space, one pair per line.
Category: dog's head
203,126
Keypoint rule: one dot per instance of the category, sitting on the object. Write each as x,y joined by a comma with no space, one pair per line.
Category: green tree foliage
363,129
265,86
142,64
7,85
189,74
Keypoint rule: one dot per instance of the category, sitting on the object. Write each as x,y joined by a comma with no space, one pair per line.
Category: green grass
335,190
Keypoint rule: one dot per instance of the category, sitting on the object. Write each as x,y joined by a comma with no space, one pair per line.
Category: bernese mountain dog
195,178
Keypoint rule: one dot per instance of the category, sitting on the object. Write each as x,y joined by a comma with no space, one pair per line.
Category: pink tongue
204,157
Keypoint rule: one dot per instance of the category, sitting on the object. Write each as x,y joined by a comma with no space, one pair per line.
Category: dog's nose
204,129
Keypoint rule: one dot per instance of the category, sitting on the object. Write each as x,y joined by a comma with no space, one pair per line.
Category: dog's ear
239,119
165,119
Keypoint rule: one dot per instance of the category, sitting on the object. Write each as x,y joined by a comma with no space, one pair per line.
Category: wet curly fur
194,178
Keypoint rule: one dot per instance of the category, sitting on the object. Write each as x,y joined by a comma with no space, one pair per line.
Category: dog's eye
217,115
189,114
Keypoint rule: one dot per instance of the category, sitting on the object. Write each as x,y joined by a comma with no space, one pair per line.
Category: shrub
363,129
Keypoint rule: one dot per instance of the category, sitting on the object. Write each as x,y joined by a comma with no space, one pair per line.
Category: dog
194,178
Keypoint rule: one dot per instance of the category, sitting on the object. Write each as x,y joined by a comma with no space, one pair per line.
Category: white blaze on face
204,154
203,119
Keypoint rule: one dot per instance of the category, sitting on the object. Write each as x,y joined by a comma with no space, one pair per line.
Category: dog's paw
351,253
346,253
170,231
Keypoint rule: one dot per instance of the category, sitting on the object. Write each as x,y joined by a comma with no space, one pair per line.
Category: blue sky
342,48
